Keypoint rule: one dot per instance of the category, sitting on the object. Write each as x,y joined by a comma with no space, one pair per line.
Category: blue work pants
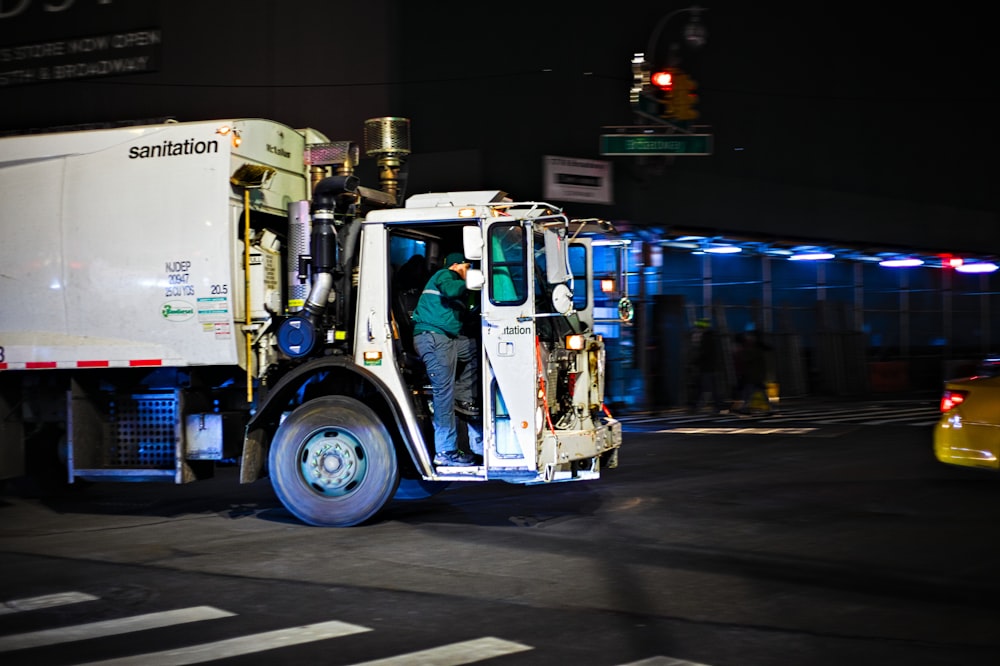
441,356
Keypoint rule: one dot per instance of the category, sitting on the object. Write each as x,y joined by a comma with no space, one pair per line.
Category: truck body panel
125,250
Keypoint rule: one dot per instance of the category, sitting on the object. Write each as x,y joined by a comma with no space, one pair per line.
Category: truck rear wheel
332,462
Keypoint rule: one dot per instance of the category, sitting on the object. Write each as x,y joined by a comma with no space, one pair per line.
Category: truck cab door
511,413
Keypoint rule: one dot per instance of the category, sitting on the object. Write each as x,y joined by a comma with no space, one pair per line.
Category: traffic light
682,98
662,84
675,91
663,80
662,95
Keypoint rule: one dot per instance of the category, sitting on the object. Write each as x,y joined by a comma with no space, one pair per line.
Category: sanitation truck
180,296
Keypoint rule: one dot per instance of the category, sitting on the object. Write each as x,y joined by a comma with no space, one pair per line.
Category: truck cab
542,415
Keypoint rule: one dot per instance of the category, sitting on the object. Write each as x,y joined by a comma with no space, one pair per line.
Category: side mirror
472,243
474,279
556,258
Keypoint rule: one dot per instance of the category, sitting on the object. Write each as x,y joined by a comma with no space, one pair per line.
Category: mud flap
252,460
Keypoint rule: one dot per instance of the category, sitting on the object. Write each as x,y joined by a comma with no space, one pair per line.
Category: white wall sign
108,54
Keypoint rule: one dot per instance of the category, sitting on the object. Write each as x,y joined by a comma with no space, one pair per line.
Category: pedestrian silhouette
704,361
752,368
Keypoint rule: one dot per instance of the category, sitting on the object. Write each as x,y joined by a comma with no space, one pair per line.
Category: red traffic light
664,79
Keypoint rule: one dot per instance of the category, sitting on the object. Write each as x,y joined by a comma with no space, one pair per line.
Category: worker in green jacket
445,352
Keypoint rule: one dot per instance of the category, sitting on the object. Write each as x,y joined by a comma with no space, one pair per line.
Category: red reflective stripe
48,365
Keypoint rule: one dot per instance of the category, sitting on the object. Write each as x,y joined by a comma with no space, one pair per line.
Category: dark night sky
890,102
886,101
877,100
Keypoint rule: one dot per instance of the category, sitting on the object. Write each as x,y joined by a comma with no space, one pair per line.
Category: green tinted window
508,269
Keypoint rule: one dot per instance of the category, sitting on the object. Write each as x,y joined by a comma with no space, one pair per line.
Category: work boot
467,408
454,459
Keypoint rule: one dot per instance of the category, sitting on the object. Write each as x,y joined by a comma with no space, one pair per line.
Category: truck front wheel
332,462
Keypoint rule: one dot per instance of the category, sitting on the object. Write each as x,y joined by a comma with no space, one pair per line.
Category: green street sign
656,144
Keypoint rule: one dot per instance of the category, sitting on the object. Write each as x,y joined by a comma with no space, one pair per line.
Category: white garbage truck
180,296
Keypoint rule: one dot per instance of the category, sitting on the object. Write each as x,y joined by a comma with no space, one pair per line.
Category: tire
332,463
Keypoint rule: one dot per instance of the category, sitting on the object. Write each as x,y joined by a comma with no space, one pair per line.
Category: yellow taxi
968,432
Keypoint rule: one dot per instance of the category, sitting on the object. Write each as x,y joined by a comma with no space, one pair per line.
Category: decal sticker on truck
213,308
221,329
177,311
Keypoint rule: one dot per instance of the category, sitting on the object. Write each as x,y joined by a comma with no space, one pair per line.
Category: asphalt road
772,542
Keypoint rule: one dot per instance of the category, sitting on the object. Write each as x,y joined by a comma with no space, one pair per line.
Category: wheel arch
335,375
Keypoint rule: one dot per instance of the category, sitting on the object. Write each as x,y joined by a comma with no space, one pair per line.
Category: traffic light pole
657,141
694,31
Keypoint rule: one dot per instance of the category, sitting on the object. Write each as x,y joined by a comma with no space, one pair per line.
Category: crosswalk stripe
232,647
733,431
871,414
104,628
44,601
663,661
454,654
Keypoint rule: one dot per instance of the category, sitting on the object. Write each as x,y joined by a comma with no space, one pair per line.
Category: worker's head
703,323
457,262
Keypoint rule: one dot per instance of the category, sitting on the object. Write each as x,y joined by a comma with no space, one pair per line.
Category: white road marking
45,601
736,431
232,647
455,654
861,414
663,661
123,625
